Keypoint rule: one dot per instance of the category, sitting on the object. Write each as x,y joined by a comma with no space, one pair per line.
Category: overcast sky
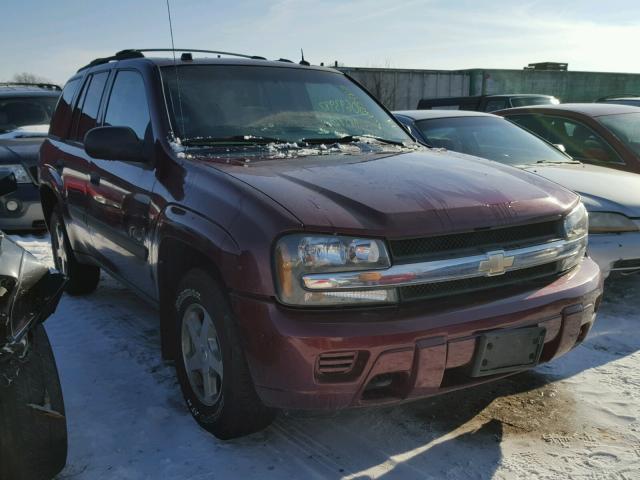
54,38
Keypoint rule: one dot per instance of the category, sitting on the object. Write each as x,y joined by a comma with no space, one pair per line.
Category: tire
33,441
234,408
81,279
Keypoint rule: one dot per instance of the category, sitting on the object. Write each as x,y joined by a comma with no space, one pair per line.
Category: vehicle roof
588,109
9,90
608,99
533,95
429,114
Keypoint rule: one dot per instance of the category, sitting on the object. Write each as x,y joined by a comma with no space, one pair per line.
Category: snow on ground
578,417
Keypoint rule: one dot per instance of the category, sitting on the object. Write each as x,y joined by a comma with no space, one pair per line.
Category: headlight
18,170
604,222
576,228
300,254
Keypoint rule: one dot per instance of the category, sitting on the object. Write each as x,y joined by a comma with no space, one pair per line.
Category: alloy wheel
201,354
61,259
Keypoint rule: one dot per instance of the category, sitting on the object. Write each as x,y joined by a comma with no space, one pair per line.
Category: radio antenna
175,66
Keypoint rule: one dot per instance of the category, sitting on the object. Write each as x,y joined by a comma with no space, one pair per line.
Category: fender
206,238
202,234
49,177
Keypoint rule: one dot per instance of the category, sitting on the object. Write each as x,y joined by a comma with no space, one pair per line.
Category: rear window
526,101
62,116
489,137
25,111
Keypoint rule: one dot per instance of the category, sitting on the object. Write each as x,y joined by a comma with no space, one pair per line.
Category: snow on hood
602,189
406,193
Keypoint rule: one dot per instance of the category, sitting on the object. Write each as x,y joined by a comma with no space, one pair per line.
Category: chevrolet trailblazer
303,249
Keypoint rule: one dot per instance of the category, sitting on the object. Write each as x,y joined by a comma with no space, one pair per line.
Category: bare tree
26,77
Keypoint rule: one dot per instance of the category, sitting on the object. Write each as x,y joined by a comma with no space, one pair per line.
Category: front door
119,212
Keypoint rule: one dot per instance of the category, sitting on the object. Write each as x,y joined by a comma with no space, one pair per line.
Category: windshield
489,137
526,101
625,126
18,112
219,103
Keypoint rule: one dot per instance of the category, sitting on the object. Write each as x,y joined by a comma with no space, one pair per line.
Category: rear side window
86,113
62,116
128,104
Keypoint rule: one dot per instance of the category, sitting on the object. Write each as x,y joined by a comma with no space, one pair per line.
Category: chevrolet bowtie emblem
496,263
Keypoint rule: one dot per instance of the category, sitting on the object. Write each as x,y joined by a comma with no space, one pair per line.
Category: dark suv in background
25,113
304,250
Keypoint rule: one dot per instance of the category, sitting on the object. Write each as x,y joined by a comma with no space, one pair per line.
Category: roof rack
47,86
139,53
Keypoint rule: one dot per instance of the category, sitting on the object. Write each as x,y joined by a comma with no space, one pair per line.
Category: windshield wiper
349,139
559,162
243,139
328,140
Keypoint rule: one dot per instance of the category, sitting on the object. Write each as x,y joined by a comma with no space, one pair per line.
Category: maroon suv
303,250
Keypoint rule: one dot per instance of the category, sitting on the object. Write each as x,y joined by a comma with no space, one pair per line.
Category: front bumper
615,251
399,353
28,216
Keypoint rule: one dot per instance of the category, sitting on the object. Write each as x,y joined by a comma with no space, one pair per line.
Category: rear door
74,164
120,192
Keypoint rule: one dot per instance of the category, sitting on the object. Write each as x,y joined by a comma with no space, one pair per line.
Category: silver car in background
612,197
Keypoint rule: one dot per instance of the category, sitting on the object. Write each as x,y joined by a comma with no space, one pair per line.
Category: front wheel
211,367
81,279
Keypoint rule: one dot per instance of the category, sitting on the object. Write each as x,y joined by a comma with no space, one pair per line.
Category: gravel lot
578,417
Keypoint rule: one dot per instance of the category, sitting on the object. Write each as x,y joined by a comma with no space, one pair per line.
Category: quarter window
62,115
128,104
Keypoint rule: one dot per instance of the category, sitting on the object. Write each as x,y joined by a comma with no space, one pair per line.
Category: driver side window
579,140
128,104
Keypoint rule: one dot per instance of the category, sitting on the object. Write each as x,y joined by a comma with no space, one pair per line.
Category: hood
602,189
422,192
21,150
29,292
27,131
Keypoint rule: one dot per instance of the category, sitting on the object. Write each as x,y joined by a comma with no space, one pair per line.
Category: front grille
415,249
524,278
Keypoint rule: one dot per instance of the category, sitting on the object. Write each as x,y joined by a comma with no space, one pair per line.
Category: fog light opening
584,331
12,206
386,385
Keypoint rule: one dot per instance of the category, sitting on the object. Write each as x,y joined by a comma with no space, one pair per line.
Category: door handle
94,178
100,199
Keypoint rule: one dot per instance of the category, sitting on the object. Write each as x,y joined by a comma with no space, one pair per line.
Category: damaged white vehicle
33,432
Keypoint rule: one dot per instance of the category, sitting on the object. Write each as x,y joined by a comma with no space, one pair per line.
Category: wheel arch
48,199
185,241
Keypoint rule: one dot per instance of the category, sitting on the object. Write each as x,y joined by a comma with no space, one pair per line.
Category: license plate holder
508,351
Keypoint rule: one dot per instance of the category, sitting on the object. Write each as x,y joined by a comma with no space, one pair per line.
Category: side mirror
560,147
8,184
114,143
